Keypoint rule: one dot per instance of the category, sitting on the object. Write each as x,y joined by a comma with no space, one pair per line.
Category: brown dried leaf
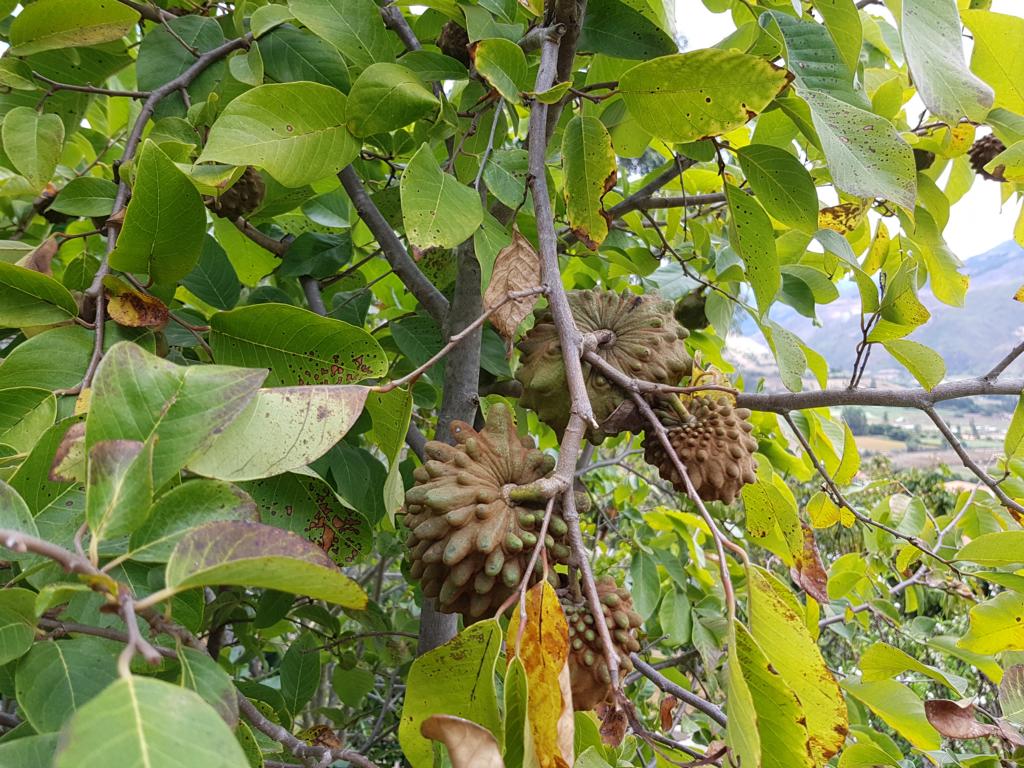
1010,732
668,711
613,724
544,651
956,722
41,258
134,309
469,745
69,461
808,570
516,268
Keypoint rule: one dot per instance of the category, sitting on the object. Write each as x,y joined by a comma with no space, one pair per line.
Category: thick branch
401,262
896,398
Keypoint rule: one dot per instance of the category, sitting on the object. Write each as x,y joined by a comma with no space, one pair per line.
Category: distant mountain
970,339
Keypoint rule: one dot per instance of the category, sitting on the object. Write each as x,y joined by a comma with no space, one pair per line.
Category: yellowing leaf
588,161
776,622
131,308
544,651
996,625
842,218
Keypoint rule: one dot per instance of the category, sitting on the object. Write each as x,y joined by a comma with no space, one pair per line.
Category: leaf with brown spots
281,430
956,722
69,461
543,648
131,308
842,218
808,570
232,552
516,268
469,745
588,162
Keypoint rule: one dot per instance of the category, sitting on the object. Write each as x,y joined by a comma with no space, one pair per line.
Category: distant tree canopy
366,393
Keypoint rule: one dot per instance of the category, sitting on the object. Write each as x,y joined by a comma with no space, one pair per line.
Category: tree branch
701,705
58,86
678,201
401,262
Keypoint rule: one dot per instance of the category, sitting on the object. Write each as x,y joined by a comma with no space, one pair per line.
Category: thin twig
58,86
711,710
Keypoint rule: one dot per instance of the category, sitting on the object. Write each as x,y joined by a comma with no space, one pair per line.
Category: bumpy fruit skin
712,439
468,546
646,343
982,152
588,668
241,198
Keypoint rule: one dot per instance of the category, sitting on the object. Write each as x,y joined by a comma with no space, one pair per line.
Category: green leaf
691,96
306,505
165,223
1011,694
622,30
996,625
17,616
280,431
202,674
999,548
843,23
742,729
291,55
33,141
781,720
934,49
162,58
924,363
789,354
675,619
354,27
646,589
782,185
996,35
57,358
137,396
295,131
777,624
247,66
214,279
772,519
352,685
266,17
86,196
29,751
300,672
47,25
505,176
437,209
588,162
899,708
502,64
866,155
182,508
139,722
30,298
119,488
391,413
882,662
57,678
298,346
386,97
456,678
753,238
14,513
254,555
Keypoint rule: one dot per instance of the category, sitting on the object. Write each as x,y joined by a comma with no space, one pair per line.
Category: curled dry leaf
956,722
134,309
516,268
41,258
469,745
613,724
69,461
808,571
668,711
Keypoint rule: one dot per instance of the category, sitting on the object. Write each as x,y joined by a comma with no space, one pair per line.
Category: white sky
976,223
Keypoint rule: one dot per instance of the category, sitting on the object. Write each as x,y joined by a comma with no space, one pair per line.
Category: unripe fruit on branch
468,544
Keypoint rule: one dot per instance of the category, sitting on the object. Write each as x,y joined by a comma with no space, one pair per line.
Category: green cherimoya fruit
241,198
712,439
469,544
588,668
645,342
